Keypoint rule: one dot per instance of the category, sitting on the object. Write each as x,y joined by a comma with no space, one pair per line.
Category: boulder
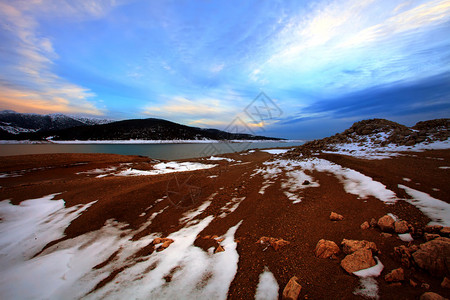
326,249
359,260
336,217
365,225
350,246
395,275
292,289
434,256
431,296
401,227
386,223
446,283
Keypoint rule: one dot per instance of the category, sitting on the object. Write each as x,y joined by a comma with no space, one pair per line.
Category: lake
157,151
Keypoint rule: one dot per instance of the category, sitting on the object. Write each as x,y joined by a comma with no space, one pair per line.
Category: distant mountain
13,123
63,127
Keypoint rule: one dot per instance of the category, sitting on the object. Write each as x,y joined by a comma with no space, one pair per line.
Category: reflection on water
157,151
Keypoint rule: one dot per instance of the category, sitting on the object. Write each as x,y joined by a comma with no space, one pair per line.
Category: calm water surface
157,151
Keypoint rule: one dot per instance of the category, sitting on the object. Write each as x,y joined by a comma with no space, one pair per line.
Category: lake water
157,151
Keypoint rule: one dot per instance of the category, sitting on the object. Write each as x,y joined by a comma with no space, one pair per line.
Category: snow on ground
98,171
71,269
230,207
437,210
267,288
220,158
370,150
275,151
354,182
444,167
165,168
406,237
191,214
368,284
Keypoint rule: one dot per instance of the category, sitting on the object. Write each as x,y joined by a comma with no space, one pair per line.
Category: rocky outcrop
292,289
386,223
326,249
359,260
434,256
350,246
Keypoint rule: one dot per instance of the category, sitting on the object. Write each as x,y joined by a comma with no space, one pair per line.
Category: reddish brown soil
272,214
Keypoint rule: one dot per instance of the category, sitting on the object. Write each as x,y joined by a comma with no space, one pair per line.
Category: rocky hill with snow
13,123
379,135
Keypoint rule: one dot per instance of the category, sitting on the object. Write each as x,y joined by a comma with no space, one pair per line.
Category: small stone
386,223
292,289
412,283
446,283
386,235
373,222
445,231
157,241
365,225
359,260
395,275
214,237
220,240
336,217
326,249
278,244
219,249
431,296
425,285
395,284
401,227
306,182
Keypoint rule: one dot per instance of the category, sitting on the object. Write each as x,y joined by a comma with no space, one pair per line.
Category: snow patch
275,151
406,237
368,284
165,168
220,158
267,288
437,210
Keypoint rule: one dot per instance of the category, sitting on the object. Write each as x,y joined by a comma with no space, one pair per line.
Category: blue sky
323,64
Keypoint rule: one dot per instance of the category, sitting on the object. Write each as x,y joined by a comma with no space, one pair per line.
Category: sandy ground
126,198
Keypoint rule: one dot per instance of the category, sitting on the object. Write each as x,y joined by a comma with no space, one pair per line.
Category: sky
292,69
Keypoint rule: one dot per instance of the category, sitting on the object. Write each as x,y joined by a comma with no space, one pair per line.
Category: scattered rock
359,260
446,283
395,275
365,225
336,217
425,285
276,244
445,231
373,222
405,254
395,284
412,283
292,289
306,182
401,227
431,236
326,249
433,228
434,256
350,246
219,249
386,223
431,296
386,235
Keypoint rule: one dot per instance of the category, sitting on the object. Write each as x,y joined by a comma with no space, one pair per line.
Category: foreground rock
431,296
401,227
326,249
350,246
359,260
336,217
386,223
292,289
434,256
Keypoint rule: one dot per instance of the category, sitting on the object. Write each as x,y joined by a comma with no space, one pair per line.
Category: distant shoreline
134,142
